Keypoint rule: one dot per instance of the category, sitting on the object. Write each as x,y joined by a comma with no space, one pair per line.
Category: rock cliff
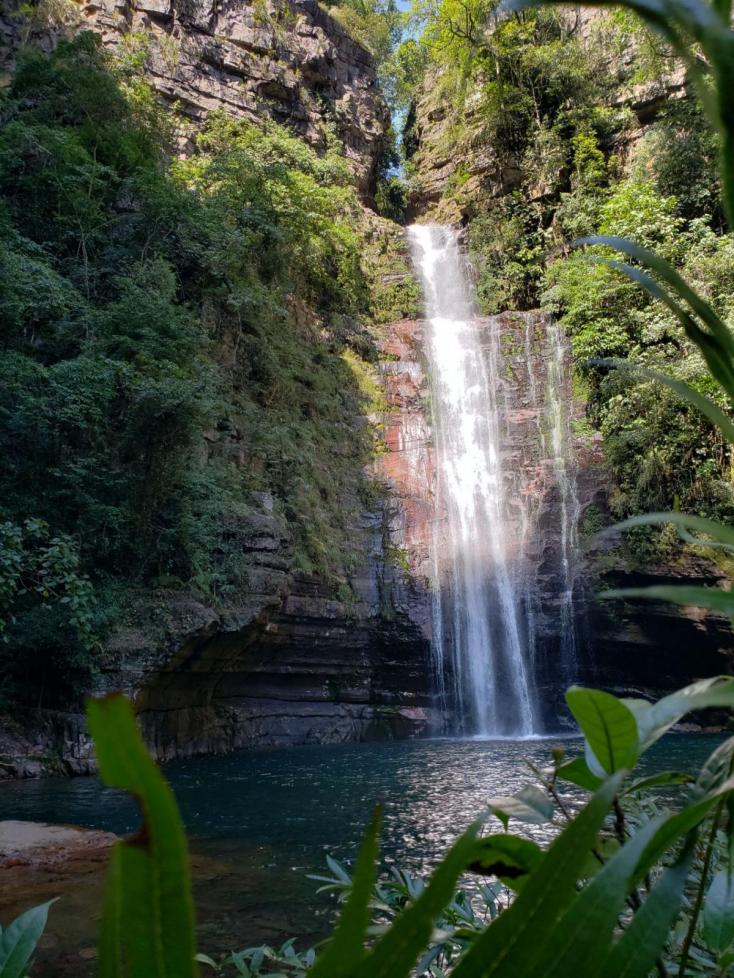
283,59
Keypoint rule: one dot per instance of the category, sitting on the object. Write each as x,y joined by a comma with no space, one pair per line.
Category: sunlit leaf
608,726
530,804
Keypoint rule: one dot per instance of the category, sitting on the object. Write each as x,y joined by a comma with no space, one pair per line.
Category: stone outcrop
287,60
287,660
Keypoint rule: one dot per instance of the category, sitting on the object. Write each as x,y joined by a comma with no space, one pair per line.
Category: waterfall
505,532
479,619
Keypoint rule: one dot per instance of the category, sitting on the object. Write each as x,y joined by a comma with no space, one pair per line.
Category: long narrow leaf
587,927
702,403
346,948
722,534
156,924
688,596
634,955
668,274
396,953
717,357
655,719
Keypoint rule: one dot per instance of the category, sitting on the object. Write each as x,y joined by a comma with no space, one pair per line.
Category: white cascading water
479,619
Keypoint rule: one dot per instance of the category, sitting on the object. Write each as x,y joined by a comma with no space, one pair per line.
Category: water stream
491,481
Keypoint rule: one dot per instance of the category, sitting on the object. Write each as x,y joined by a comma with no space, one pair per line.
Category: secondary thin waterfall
478,616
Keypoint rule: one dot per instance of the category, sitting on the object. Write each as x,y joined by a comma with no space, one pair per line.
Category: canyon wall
287,60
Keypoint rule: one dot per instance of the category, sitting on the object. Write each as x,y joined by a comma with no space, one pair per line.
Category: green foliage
662,452
173,339
19,939
506,246
148,918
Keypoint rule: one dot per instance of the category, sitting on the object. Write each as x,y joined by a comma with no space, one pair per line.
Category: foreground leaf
585,930
508,857
516,942
19,939
346,947
608,726
634,955
718,912
148,926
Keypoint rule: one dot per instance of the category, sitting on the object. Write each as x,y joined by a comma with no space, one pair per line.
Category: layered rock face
283,59
286,661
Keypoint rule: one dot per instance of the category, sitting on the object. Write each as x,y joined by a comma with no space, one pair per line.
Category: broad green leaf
608,726
687,595
346,947
635,953
150,893
718,912
655,719
19,939
397,951
585,930
515,943
658,781
577,772
508,857
530,804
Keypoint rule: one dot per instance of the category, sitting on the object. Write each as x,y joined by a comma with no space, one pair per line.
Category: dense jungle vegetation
163,319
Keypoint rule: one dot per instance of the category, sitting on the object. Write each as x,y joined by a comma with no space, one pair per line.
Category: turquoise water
260,821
